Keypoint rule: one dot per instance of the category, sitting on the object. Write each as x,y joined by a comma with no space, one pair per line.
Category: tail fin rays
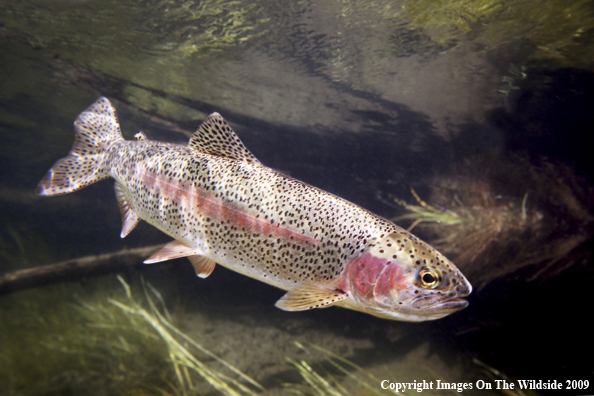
95,129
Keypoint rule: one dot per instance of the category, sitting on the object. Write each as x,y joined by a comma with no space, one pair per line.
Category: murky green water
469,120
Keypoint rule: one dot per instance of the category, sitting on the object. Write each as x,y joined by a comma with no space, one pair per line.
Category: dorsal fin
215,137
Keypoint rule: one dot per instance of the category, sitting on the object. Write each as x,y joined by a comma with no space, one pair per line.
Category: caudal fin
94,130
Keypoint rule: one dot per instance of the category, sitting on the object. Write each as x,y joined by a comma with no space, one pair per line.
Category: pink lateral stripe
190,198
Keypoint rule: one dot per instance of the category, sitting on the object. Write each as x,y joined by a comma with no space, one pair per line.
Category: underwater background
469,121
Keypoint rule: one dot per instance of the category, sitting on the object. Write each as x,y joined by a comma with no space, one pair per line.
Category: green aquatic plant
47,347
126,343
509,214
326,384
110,345
118,343
426,213
183,360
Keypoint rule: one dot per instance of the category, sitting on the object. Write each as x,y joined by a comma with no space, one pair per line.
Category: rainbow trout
221,205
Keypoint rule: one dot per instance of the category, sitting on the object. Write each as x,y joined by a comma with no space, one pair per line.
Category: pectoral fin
202,265
309,297
172,251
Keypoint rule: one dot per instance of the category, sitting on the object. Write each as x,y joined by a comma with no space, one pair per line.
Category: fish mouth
453,304
441,305
443,301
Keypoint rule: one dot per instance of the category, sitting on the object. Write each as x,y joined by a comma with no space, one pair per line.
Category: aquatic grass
318,384
183,360
127,343
109,345
506,214
476,223
426,213
329,385
47,347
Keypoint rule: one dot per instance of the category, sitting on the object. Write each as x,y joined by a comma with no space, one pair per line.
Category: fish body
221,205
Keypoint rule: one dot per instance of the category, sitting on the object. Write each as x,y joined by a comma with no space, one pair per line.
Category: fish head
400,277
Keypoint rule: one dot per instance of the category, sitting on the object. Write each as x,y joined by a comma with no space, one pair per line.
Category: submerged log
74,269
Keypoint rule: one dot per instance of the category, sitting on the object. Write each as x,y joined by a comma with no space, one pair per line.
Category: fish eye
429,278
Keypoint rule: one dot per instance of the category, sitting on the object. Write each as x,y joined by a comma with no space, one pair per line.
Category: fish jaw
402,278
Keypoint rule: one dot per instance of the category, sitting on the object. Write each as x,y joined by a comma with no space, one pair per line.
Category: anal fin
129,217
310,296
202,265
172,251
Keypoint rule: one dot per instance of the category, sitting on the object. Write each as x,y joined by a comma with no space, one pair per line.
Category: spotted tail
95,129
